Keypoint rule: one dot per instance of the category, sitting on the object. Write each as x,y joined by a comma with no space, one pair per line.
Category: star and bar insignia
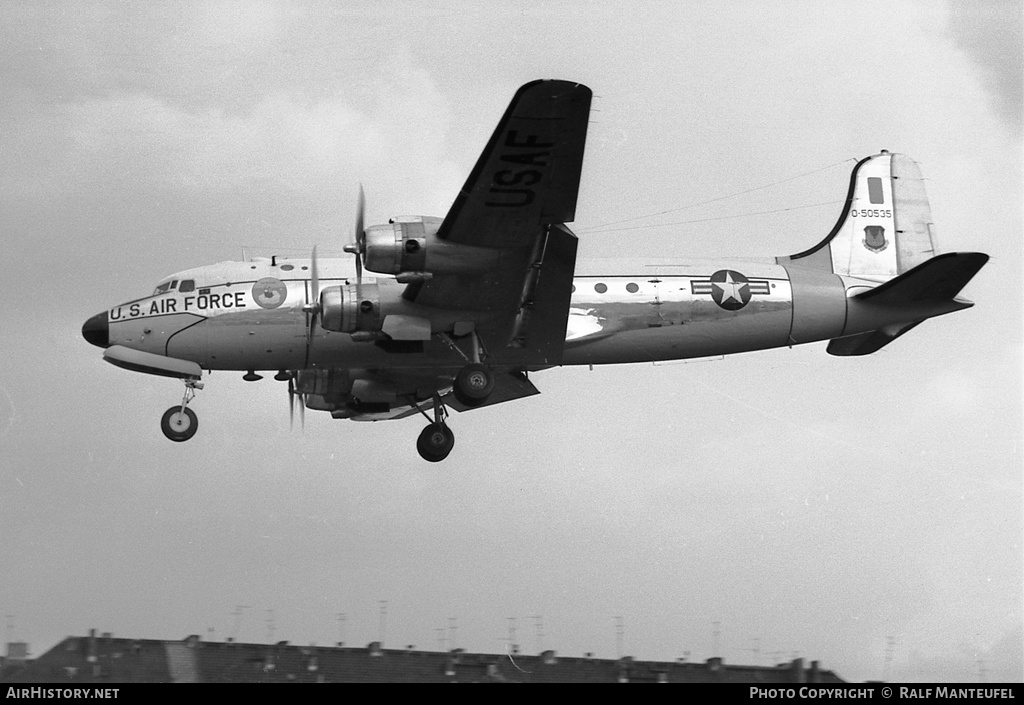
730,289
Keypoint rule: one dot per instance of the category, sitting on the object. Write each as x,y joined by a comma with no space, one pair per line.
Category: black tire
435,442
179,427
473,384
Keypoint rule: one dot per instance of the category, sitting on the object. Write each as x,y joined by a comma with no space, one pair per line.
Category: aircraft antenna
722,198
620,633
341,628
708,220
451,633
270,626
890,648
383,621
538,622
237,614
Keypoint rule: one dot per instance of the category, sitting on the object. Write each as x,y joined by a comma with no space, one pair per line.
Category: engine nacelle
410,244
351,308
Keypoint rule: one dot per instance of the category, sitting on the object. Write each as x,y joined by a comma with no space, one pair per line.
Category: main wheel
473,384
178,426
435,442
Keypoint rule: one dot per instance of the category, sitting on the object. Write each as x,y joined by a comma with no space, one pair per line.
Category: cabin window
600,288
187,285
287,267
875,194
632,288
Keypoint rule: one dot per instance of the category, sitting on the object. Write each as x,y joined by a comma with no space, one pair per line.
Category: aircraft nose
96,330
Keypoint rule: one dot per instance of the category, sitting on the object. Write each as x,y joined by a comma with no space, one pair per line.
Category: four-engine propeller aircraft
476,301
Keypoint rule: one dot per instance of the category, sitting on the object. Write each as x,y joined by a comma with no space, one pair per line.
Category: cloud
283,141
991,35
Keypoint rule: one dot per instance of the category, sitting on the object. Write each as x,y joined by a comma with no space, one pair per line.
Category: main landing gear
475,381
436,440
180,423
473,384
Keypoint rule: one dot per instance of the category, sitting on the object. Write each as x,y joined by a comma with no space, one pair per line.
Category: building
105,659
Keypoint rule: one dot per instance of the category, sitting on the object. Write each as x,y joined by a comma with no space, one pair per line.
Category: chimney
715,664
374,648
91,653
797,670
548,657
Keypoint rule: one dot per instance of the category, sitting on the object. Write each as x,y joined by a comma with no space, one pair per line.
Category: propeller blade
313,307
360,229
315,275
360,235
291,404
294,394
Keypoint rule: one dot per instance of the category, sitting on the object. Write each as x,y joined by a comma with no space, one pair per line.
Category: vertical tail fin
886,225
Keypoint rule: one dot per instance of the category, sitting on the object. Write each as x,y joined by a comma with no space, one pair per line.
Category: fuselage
249,315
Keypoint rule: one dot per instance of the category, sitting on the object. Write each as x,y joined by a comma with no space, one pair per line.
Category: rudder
885,228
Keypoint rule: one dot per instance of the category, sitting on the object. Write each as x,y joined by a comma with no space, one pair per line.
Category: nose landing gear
179,423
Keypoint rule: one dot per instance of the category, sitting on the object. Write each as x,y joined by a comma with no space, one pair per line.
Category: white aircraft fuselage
665,311
470,304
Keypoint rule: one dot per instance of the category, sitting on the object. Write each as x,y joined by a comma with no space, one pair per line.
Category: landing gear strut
436,440
180,423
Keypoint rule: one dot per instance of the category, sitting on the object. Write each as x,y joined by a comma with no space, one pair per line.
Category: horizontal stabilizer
927,290
867,343
939,279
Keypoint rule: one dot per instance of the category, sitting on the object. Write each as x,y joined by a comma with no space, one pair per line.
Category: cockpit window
162,288
187,285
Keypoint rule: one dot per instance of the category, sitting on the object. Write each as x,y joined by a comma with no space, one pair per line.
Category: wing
525,182
529,172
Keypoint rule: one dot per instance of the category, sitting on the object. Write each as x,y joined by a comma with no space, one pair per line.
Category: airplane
469,305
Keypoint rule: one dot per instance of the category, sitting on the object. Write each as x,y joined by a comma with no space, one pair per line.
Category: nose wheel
179,423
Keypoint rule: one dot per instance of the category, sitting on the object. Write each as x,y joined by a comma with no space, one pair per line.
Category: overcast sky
864,512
